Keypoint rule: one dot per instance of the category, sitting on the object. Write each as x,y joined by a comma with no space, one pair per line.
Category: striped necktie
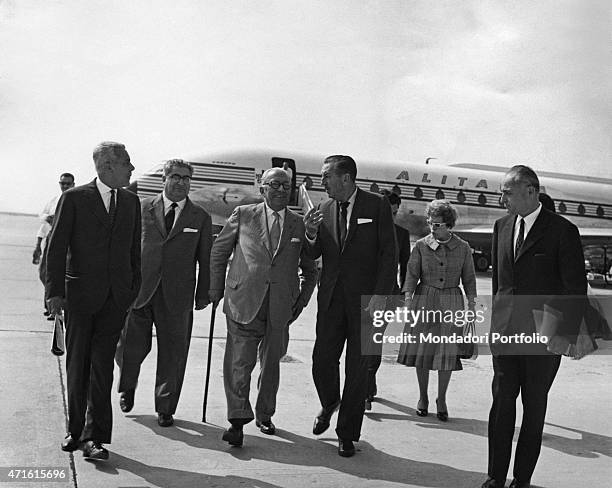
520,239
275,232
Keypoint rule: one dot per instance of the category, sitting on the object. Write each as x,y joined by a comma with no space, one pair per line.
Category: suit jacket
549,269
367,263
255,268
86,257
171,259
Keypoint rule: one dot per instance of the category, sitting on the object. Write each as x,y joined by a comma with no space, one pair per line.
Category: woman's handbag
467,349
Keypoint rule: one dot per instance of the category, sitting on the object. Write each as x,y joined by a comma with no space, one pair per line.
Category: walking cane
210,341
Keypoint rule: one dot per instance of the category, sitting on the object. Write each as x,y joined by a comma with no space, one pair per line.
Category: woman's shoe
442,416
421,412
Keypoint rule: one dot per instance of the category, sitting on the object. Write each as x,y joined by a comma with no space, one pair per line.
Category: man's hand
36,255
215,296
56,305
377,302
312,221
201,303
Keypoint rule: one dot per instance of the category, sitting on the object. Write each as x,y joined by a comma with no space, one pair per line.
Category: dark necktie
520,239
112,207
342,222
275,232
170,217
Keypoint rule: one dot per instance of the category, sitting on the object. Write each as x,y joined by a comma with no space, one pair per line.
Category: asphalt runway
397,447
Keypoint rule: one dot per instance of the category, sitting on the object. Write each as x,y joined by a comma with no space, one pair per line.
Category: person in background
66,182
93,274
403,244
439,262
176,239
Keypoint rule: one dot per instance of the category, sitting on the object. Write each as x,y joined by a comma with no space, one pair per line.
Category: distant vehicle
225,179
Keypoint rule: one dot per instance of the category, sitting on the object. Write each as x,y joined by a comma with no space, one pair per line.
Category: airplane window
418,193
439,195
396,189
482,199
374,188
461,196
581,209
600,211
562,207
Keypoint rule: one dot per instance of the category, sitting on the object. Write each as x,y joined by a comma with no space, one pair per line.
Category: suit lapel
97,204
353,221
261,227
183,219
287,232
330,215
536,232
506,241
157,214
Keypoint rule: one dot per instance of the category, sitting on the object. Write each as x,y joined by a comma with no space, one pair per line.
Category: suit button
441,279
441,264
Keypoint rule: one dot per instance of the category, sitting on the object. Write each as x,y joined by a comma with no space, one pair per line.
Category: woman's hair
442,209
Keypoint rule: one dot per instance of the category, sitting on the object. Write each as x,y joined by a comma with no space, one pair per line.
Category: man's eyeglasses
277,184
176,178
436,225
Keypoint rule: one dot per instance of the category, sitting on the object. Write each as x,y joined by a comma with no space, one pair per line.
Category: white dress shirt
177,210
105,193
529,221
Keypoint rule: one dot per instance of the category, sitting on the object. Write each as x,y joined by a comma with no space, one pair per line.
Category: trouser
91,340
245,343
341,323
173,330
533,377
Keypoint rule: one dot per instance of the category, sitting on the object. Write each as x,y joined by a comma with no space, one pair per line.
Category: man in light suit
176,236
264,293
93,273
354,233
537,261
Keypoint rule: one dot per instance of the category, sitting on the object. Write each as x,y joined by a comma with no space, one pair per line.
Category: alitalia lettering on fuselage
404,175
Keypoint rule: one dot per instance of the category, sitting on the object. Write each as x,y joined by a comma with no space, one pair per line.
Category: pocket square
189,229
364,221
295,239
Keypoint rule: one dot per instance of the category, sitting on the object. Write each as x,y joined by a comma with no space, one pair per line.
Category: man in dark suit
93,273
264,293
176,236
537,262
353,232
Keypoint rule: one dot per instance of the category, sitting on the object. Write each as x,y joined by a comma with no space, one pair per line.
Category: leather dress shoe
493,483
346,448
95,450
321,423
267,427
164,419
234,436
69,444
126,401
519,484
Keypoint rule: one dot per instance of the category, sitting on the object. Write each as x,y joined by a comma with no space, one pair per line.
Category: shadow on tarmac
293,449
589,445
175,478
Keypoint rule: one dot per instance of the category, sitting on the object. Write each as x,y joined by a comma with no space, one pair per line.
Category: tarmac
397,448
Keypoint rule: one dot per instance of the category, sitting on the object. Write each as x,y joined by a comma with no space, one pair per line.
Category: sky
489,82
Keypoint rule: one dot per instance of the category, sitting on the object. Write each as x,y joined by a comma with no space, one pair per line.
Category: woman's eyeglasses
436,225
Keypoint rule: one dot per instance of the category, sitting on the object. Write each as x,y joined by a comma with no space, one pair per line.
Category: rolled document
305,198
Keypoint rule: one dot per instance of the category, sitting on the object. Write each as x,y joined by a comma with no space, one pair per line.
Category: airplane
223,180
